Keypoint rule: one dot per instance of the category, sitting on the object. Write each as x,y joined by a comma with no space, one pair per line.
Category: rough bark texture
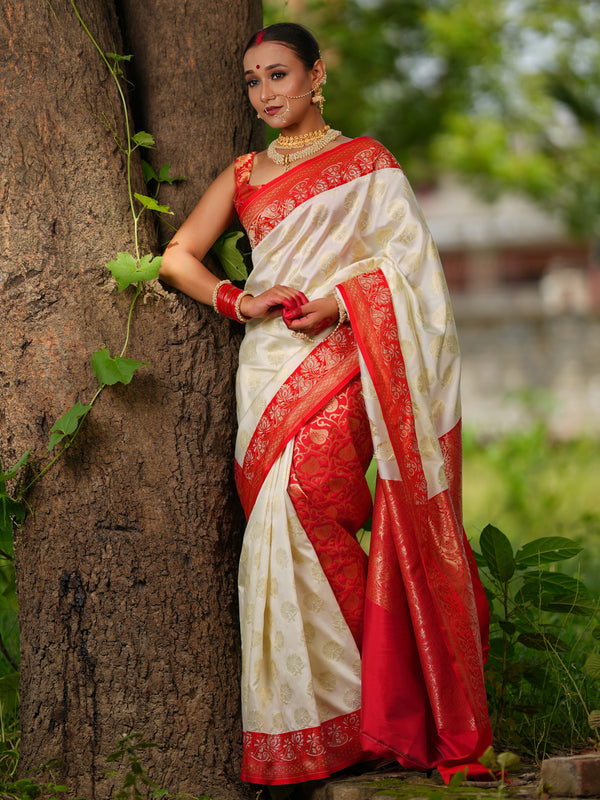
190,91
127,567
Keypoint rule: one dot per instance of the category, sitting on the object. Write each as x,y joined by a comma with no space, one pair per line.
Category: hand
273,302
316,316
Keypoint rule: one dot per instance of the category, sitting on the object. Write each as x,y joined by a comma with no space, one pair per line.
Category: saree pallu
341,660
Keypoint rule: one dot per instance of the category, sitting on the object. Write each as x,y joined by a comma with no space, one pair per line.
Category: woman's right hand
271,303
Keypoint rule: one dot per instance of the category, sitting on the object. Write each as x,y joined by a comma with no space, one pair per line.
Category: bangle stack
227,299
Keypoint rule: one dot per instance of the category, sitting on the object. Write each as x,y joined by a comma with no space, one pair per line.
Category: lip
271,111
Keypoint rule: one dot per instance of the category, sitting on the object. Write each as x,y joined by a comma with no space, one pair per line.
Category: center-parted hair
296,37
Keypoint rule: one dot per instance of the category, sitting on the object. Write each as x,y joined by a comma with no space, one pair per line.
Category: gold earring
317,97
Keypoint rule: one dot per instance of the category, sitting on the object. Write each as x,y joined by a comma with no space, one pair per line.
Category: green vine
128,270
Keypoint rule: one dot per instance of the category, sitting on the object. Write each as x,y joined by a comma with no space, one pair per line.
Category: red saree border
419,560
328,367
302,755
266,207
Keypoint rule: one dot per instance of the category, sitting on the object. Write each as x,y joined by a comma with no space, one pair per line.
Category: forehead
265,53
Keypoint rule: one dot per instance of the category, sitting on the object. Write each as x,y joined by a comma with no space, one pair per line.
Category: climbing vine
128,269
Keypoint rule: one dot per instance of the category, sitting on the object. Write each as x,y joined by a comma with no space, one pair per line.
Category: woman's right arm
182,265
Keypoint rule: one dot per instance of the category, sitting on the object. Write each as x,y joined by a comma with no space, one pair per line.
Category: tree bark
127,565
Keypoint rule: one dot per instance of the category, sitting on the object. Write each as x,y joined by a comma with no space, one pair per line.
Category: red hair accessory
259,36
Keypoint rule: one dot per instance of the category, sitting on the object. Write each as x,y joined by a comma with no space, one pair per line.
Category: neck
311,122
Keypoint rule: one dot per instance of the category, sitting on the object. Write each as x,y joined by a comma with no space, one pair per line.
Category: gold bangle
238,303
343,314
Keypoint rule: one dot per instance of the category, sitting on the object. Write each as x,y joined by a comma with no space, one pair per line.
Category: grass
530,486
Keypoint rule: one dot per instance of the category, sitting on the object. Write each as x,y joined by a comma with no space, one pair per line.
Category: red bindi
258,66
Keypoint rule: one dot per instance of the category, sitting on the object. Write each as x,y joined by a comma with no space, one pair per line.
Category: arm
182,265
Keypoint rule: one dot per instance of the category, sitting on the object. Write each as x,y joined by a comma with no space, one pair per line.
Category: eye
251,83
276,76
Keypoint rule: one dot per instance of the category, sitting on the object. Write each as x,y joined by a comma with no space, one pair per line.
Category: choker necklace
300,141
308,143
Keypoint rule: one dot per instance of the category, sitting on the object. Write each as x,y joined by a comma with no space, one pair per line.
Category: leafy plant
43,787
231,259
537,686
500,763
134,784
137,784
592,667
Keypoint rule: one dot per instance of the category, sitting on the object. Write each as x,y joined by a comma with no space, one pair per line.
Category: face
274,74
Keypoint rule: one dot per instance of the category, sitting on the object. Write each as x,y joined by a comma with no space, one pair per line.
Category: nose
266,93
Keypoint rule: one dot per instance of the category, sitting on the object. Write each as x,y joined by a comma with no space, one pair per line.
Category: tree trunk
127,565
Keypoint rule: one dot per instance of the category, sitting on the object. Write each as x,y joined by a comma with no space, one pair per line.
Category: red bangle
227,299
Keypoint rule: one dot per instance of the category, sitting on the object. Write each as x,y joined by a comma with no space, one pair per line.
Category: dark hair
291,35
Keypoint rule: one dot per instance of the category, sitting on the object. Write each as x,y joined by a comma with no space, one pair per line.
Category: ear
317,72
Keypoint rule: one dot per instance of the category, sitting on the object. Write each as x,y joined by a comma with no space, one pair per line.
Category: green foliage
134,784
126,269
114,370
137,783
529,486
503,93
67,424
541,623
228,254
500,763
151,204
592,667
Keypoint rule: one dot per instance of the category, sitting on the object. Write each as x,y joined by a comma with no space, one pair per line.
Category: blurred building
526,299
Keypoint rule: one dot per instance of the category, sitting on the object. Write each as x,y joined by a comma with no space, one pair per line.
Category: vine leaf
116,65
67,424
118,57
149,172
143,139
162,176
151,204
125,269
10,510
230,257
114,370
6,476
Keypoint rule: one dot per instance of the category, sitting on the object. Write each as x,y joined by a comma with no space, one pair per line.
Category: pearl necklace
315,141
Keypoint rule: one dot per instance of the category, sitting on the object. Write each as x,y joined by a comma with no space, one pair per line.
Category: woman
350,349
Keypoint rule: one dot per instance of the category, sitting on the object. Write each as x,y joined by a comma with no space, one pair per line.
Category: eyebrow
271,66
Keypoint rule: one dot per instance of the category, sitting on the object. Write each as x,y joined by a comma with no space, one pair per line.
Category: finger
292,313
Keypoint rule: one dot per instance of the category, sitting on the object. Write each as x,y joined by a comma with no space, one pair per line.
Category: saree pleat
345,659
331,496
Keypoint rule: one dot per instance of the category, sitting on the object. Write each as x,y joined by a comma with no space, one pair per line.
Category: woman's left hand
316,316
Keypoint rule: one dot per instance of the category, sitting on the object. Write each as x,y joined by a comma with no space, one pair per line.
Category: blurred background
492,108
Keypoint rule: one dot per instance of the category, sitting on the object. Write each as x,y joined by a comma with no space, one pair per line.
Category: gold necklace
303,139
310,149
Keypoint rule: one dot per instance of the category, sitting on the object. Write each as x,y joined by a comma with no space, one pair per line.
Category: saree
346,658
